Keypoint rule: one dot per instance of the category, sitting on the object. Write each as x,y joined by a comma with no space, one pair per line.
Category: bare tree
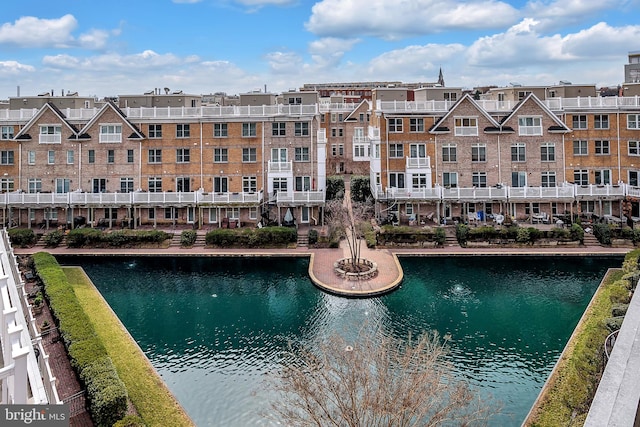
374,383
349,217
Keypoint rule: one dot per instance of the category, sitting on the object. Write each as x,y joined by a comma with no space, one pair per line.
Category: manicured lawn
570,390
148,393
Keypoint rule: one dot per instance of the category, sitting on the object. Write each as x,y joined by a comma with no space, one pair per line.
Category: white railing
466,131
529,130
50,139
99,198
524,193
418,162
599,190
22,381
110,138
17,199
280,167
302,197
218,198
325,107
220,111
164,198
482,193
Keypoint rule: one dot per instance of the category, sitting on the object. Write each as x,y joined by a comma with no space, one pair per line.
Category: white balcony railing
228,198
280,167
110,138
50,139
300,197
418,162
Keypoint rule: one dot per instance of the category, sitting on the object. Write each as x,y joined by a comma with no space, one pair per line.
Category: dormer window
50,134
466,126
110,133
529,126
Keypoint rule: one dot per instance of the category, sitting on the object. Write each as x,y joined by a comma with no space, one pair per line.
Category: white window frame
633,148
70,157
249,155
466,126
548,152
50,134
479,153
529,125
110,133
582,146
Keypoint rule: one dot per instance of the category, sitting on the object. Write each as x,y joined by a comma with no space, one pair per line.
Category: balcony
242,198
474,194
99,199
601,191
50,138
300,197
418,163
110,138
163,199
280,167
25,200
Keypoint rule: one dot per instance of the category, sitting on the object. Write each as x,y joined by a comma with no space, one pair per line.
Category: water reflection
214,328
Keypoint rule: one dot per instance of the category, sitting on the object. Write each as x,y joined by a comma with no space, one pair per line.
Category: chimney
18,92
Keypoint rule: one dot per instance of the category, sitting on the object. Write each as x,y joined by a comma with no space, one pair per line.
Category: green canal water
214,327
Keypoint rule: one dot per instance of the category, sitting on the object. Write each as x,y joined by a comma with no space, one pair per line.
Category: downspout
618,138
201,159
20,167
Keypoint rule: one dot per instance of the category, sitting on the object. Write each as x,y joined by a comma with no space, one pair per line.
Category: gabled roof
109,105
24,135
437,128
352,115
559,127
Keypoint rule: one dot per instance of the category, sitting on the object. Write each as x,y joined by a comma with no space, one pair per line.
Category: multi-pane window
418,151
449,153
302,129
51,157
479,179
63,185
6,157
633,121
396,151
302,183
249,184
396,179
278,154
548,152
155,155
466,126
279,184
91,156
220,184
603,177
580,148
6,132
70,157
302,154
416,125
360,150
249,155
601,121
111,156
602,147
220,155
278,129
529,125
34,185
479,153
6,185
395,124
31,157
155,184
419,180
634,148
518,152
450,179
155,131
126,185
183,130
248,130
50,134
579,121
634,178
183,155
110,133
220,130
548,179
450,96
183,184
518,179
129,156
581,177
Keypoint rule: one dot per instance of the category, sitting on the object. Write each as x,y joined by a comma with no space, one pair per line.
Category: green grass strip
570,390
154,402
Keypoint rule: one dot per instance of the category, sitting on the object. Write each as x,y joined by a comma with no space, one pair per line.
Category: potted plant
45,328
38,302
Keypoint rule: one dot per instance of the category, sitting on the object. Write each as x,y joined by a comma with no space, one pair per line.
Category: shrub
335,188
22,237
523,236
130,421
188,238
602,232
106,393
313,236
462,234
360,188
53,239
248,237
440,236
576,232
93,237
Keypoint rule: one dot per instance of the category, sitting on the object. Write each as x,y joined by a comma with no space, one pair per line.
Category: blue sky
236,46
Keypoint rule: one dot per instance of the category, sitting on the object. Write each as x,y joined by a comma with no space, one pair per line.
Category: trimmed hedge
251,237
122,238
404,234
106,393
53,239
188,238
514,233
22,237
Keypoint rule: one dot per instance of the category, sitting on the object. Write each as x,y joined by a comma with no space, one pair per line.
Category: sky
100,48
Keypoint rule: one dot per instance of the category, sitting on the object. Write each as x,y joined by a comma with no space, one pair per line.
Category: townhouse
208,166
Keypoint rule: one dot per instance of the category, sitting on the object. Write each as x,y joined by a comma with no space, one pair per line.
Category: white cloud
555,14
392,20
94,39
30,31
14,68
328,52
